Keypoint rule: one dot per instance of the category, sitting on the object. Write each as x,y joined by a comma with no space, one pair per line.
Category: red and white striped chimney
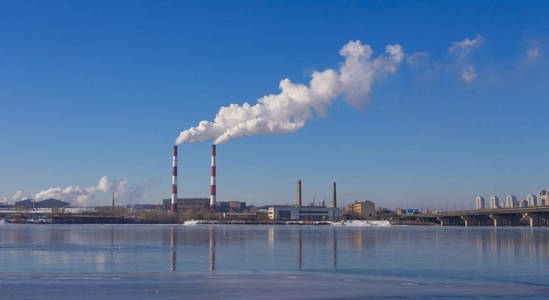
174,180
212,183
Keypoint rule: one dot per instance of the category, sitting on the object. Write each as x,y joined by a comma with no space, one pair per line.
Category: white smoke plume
84,196
288,111
17,196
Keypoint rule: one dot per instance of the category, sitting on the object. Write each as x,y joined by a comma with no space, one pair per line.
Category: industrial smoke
288,111
83,196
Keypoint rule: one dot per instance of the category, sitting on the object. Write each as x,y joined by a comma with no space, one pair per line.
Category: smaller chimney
334,201
299,193
113,202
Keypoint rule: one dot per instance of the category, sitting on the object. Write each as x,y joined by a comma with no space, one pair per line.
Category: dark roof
48,203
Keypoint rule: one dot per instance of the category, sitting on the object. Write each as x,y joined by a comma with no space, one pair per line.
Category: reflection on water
515,254
299,241
172,249
334,247
212,249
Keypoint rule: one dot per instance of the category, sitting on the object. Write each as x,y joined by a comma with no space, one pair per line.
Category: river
271,262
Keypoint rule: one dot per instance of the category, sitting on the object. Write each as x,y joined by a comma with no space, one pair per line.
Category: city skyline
87,97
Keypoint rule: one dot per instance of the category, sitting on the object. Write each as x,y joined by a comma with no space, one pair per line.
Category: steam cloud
288,111
83,196
17,196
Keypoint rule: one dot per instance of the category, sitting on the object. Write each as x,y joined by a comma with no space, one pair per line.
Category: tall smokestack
334,201
212,183
112,201
174,180
299,193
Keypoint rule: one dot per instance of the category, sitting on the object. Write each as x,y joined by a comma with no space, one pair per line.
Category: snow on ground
362,223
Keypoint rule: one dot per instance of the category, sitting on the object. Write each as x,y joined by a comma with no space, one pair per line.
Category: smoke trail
288,111
84,196
81,195
17,196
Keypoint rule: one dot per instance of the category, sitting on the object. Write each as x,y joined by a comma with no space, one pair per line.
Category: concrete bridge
533,216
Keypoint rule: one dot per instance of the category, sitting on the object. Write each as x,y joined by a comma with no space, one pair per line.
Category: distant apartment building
510,201
365,210
531,199
494,202
543,198
479,202
523,203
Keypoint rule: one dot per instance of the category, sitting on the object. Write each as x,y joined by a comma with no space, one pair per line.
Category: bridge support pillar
470,221
443,221
498,220
536,219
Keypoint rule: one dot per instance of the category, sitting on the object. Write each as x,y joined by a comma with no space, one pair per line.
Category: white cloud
462,49
532,53
468,73
417,58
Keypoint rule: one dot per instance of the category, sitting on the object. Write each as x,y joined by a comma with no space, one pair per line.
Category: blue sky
92,89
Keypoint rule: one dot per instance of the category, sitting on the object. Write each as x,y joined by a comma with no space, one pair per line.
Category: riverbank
90,219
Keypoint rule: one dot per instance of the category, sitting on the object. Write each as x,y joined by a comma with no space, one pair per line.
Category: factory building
302,213
231,206
183,204
364,210
196,204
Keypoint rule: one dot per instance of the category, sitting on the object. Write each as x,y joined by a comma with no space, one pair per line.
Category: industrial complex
533,211
297,212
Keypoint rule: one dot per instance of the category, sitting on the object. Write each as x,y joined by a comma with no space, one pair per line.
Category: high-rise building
494,202
531,199
543,198
479,202
510,201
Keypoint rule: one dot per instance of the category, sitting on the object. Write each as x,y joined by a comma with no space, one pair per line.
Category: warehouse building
303,213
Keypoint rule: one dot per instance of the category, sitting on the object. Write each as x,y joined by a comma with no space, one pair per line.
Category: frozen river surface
271,262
